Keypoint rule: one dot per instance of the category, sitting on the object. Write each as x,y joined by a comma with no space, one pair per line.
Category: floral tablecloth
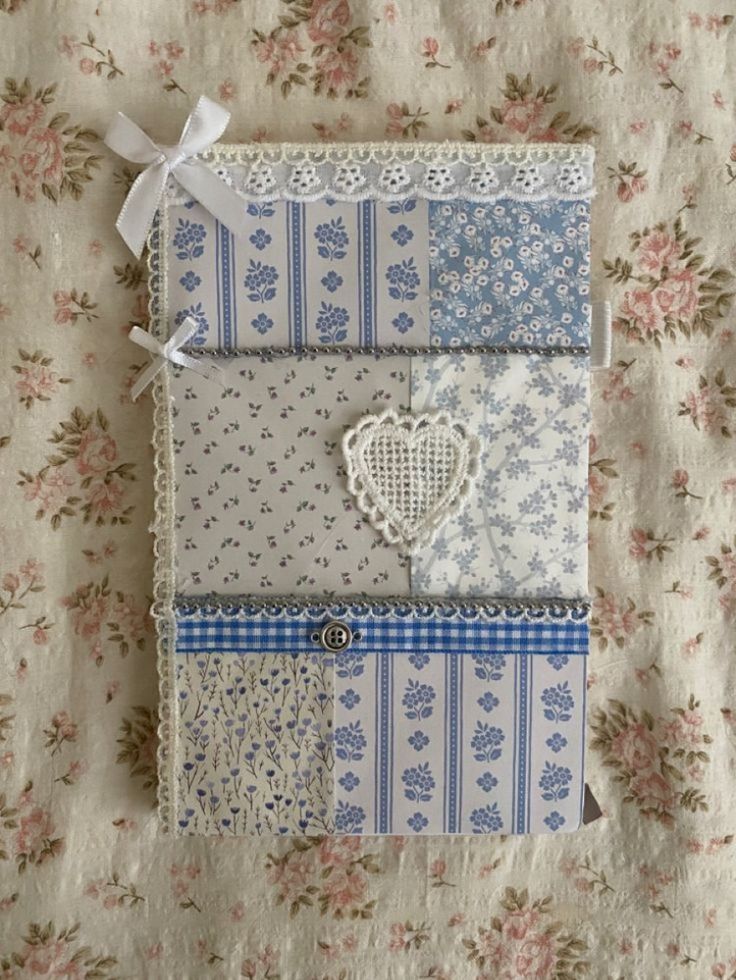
88,888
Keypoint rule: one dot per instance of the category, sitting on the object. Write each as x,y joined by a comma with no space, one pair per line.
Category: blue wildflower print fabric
255,744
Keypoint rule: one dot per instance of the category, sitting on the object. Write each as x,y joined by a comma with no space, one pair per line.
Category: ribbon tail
128,140
205,125
139,209
146,377
219,198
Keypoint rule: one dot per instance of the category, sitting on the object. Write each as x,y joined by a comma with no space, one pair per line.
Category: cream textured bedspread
88,888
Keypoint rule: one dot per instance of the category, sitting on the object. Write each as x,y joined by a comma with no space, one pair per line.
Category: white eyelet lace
392,171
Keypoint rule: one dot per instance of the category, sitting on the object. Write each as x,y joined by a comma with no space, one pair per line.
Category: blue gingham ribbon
295,635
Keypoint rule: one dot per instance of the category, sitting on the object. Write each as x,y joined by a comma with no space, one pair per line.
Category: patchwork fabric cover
422,279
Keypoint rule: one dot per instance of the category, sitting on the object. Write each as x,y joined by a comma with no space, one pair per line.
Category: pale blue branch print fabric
524,531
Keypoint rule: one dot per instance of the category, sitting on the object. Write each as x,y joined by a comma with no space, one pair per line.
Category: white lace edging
394,171
164,576
409,473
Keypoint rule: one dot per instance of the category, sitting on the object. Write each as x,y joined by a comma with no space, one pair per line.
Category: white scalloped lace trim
390,171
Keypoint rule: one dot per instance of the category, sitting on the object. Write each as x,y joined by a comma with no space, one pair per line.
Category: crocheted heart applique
410,473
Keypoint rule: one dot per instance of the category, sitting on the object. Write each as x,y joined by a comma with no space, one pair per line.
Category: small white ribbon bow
204,127
170,352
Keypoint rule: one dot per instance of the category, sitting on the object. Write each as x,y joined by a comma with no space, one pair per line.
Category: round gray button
335,636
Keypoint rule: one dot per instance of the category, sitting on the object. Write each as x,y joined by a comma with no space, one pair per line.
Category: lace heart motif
411,473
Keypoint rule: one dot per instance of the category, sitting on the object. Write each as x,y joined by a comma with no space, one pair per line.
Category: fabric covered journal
371,432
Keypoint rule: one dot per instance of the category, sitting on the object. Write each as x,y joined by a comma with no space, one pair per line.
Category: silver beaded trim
392,350
450,607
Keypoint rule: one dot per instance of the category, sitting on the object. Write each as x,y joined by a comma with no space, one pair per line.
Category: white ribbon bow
170,352
204,127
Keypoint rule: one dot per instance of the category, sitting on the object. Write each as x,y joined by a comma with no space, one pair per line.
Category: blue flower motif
558,702
419,783
403,280
196,313
349,818
262,323
349,663
190,280
188,239
417,822
401,207
418,700
403,322
331,323
558,661
488,701
556,742
486,819
402,235
332,281
489,666
486,742
349,781
349,699
260,239
350,742
554,781
261,210
418,740
419,660
333,239
487,781
555,820
260,281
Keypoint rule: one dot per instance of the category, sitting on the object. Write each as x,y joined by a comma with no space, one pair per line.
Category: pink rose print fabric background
88,888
